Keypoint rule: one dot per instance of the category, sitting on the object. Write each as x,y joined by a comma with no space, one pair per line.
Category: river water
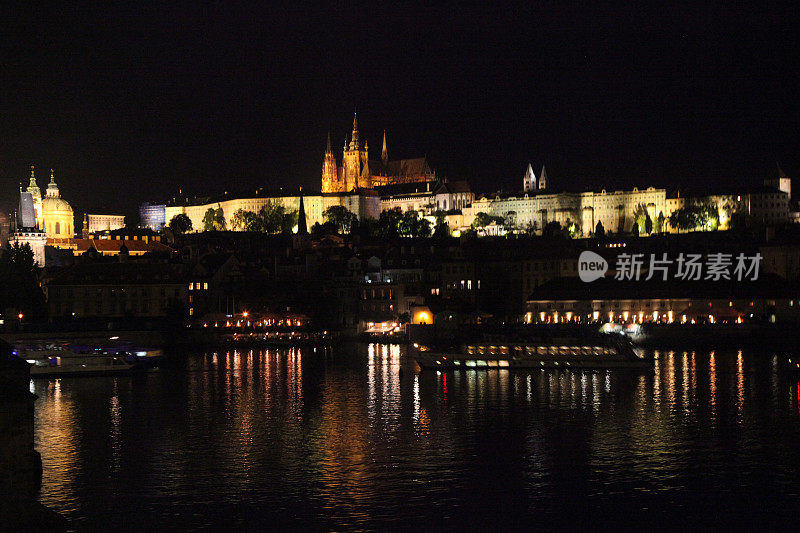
356,439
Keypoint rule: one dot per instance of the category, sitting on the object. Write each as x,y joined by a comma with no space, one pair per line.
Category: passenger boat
565,354
78,364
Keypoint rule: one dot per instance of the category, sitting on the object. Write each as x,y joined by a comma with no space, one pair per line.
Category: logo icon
591,266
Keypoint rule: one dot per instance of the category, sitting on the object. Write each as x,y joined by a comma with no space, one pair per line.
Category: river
355,439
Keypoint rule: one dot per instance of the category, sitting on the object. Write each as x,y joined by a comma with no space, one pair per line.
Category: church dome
57,213
55,205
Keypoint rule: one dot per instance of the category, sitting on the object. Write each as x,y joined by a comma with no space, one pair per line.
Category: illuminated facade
363,203
358,172
97,223
585,209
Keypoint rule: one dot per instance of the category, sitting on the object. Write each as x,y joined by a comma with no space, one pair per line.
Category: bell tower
355,163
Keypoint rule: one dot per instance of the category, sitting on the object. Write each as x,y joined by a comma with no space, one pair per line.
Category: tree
695,217
640,216
482,220
531,228
180,224
660,221
648,224
441,229
289,222
599,230
510,221
246,221
271,216
20,289
214,220
635,229
411,225
341,217
387,225
552,229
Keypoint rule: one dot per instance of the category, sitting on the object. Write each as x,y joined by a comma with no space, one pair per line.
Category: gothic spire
543,179
302,225
354,136
384,151
328,149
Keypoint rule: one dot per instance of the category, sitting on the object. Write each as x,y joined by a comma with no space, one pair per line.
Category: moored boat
78,364
564,354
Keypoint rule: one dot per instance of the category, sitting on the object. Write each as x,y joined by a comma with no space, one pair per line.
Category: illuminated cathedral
357,171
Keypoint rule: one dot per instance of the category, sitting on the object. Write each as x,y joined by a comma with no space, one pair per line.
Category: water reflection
357,438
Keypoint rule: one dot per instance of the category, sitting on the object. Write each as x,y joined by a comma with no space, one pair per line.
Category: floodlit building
98,223
357,171
364,203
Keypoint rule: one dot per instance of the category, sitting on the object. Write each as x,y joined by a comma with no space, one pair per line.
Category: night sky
132,104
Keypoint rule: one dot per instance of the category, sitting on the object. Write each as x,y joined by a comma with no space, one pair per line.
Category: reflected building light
739,383
712,378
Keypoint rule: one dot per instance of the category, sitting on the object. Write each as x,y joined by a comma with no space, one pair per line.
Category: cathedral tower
543,179
330,174
355,164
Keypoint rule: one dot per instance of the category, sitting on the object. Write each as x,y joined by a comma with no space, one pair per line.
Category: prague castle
358,172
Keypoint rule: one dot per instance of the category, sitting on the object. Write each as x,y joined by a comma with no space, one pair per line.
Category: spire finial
52,176
328,149
32,172
384,151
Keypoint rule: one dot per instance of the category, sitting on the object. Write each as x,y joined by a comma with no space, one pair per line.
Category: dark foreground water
346,440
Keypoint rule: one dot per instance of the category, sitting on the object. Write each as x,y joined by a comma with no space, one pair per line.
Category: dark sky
132,103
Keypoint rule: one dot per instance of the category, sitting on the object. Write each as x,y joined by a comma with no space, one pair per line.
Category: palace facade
357,171
363,203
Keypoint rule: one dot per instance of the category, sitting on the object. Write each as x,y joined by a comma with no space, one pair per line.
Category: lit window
191,286
205,285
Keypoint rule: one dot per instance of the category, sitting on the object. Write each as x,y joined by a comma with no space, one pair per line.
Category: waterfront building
357,171
769,298
100,223
116,289
152,216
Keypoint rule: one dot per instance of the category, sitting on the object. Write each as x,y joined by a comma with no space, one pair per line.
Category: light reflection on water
357,439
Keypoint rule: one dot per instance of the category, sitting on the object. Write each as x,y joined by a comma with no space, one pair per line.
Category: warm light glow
244,314
19,316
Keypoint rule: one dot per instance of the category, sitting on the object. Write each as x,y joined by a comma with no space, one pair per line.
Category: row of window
198,286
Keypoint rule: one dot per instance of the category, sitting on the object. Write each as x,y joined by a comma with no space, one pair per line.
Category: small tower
543,179
85,232
529,180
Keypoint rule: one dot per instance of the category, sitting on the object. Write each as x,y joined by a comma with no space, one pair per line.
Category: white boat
79,364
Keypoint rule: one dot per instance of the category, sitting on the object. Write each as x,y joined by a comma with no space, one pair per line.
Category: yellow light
19,316
244,314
